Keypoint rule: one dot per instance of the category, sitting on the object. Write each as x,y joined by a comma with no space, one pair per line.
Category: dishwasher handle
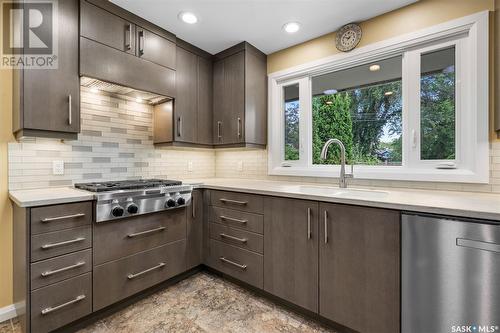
479,245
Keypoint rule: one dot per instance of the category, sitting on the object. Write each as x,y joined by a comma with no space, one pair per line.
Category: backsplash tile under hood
115,143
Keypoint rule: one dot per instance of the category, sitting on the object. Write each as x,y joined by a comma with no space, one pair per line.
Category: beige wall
5,206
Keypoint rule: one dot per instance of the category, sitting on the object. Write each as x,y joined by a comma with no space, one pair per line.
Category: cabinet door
234,96
106,28
186,104
195,230
204,114
155,48
359,267
291,251
52,96
219,103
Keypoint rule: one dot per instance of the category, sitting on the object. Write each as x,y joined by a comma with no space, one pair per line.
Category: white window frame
470,37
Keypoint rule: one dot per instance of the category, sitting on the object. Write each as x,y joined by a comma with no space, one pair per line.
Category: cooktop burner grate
126,185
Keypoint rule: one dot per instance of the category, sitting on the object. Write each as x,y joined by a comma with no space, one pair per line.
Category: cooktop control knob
181,201
132,208
117,211
170,203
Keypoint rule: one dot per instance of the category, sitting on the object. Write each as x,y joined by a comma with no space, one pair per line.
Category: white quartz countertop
49,196
453,203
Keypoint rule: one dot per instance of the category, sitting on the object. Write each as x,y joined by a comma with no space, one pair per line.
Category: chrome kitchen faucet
343,175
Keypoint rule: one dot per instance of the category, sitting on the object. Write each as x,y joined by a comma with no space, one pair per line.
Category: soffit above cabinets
223,23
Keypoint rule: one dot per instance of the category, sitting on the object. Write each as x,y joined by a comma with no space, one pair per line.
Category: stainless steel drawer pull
60,270
57,218
128,37
242,240
240,266
179,126
141,43
239,127
193,208
52,245
473,244
235,202
54,308
219,130
309,233
133,276
225,218
146,232
326,227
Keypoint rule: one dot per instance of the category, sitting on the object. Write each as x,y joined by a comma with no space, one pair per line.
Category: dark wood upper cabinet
104,27
46,102
191,122
155,48
359,267
291,250
240,97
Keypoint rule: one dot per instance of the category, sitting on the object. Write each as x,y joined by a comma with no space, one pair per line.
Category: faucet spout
324,153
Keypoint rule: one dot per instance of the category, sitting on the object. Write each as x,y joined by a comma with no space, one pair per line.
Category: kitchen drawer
238,263
239,201
59,217
120,238
61,303
240,238
56,243
60,268
237,219
119,279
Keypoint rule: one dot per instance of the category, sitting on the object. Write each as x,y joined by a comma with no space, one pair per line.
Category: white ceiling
223,23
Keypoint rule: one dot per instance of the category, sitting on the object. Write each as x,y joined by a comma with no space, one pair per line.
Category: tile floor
201,303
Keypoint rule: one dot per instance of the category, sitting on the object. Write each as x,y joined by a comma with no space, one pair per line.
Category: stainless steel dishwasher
450,275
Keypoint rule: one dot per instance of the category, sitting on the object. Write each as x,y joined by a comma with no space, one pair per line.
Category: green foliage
292,130
332,119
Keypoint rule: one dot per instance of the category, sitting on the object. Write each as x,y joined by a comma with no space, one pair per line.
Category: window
412,108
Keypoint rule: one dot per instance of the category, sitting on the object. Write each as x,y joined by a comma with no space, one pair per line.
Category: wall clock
348,37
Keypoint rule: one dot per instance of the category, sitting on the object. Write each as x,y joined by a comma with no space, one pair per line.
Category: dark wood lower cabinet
195,230
359,270
291,251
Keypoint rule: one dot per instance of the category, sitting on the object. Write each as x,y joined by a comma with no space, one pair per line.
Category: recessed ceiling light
188,17
94,90
330,91
138,100
291,27
374,68
388,93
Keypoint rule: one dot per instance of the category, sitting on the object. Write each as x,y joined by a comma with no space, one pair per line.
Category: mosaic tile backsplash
116,142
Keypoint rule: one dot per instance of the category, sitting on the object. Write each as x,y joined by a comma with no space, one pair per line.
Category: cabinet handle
60,306
241,240
326,226
52,245
141,43
236,202
240,266
50,219
145,232
128,37
134,275
225,218
219,130
239,127
309,233
193,208
179,125
60,270
70,120
479,245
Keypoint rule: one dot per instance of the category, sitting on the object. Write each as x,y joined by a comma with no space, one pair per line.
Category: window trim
473,31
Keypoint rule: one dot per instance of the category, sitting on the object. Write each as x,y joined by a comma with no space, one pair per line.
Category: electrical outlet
190,166
240,166
58,167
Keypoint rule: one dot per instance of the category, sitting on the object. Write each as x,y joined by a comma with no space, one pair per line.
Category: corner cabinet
240,97
359,269
46,102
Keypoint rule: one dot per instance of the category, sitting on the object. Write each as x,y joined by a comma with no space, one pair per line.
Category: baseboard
7,312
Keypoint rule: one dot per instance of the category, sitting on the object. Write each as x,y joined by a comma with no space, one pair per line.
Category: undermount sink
340,192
